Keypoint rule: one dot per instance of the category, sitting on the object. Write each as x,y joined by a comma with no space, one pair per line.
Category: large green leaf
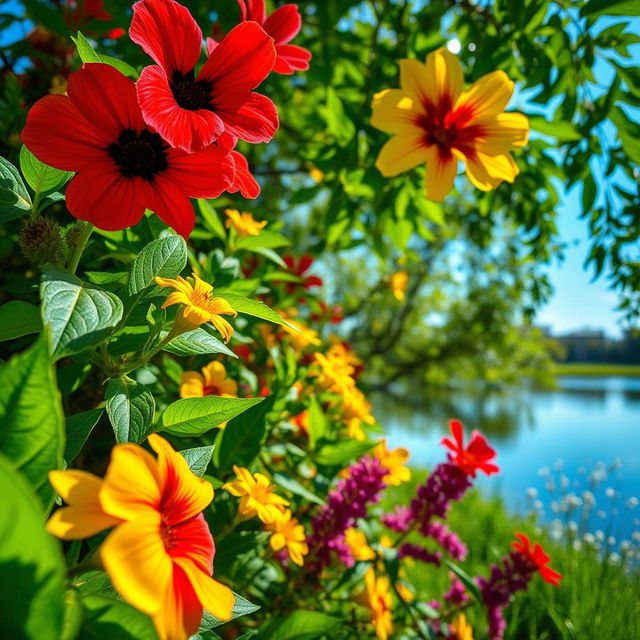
300,625
291,484
342,452
78,315
78,428
107,618
165,257
41,177
595,8
197,458
195,416
264,240
317,423
31,418
251,307
561,131
31,565
338,122
241,439
14,197
17,319
130,407
197,342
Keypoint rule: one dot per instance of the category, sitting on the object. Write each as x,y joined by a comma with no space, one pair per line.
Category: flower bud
42,242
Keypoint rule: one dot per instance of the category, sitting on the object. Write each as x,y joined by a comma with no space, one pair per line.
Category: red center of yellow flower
168,535
211,390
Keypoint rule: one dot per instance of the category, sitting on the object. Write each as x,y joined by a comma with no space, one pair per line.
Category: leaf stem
78,250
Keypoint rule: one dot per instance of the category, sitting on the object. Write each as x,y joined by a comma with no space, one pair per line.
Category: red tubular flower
299,268
191,111
476,456
537,558
123,167
283,25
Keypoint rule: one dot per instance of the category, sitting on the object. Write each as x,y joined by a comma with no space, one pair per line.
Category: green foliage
14,197
78,428
130,407
32,434
165,257
198,458
299,625
104,617
17,319
33,569
40,177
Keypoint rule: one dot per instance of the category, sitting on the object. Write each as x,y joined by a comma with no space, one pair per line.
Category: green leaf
122,66
338,122
33,569
270,254
291,484
78,315
595,8
241,607
106,617
561,131
264,240
14,197
251,307
300,625
17,319
631,76
165,257
241,439
317,423
195,416
130,407
85,50
340,453
78,428
197,342
198,458
211,219
466,580
41,177
32,434
629,133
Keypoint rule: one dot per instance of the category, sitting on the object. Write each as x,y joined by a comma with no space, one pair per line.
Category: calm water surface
545,440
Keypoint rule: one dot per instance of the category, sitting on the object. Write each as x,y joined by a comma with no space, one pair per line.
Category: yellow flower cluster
243,223
258,498
377,598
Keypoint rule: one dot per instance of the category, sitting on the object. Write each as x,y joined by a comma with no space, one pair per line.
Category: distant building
592,345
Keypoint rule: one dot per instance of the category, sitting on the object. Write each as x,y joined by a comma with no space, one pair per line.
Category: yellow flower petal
444,76
191,385
439,177
488,96
137,562
393,112
503,133
401,153
487,172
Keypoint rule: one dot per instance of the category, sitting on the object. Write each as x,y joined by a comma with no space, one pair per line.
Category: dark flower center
190,93
139,154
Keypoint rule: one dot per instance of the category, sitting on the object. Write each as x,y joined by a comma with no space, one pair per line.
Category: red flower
476,457
244,182
537,558
283,25
191,111
299,268
123,167
331,314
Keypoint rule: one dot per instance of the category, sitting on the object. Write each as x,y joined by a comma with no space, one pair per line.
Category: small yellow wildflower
212,381
355,405
340,350
301,336
461,628
288,533
244,223
358,545
199,305
316,174
398,283
257,497
378,599
393,462
334,374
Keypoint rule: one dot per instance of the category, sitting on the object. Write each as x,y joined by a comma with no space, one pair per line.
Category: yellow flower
243,223
355,405
378,599
333,374
257,497
405,592
212,381
355,430
160,552
316,174
301,336
199,305
393,462
358,545
398,283
340,349
462,630
435,122
288,532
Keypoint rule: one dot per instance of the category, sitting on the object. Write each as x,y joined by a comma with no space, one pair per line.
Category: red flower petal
255,121
255,10
205,174
244,181
227,141
106,98
165,198
181,128
100,194
240,62
304,263
211,45
192,539
283,24
291,58
58,135
168,33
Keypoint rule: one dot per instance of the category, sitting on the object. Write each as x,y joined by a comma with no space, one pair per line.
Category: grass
596,600
595,369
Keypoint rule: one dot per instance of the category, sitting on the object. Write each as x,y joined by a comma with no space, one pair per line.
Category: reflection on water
586,420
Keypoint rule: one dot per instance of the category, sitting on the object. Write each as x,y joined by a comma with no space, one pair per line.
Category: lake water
553,445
